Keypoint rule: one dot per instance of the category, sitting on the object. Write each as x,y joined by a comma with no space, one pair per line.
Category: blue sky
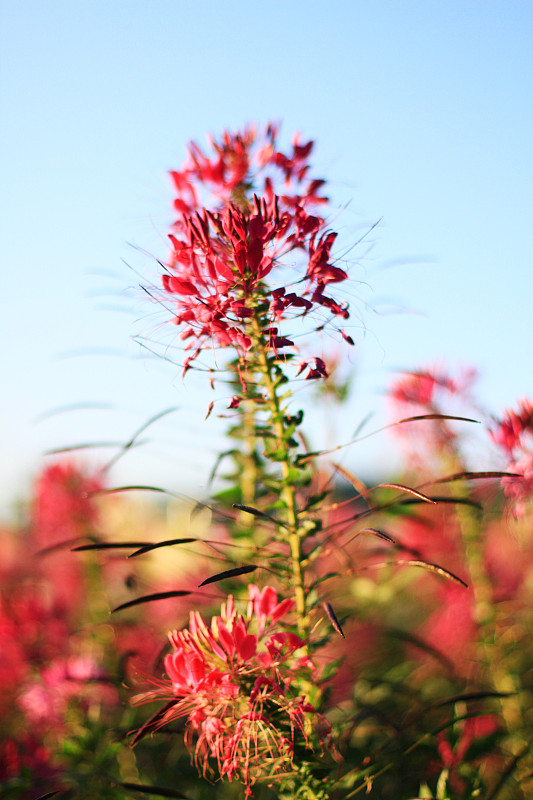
422,114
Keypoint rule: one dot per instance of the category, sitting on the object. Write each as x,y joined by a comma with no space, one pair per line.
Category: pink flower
45,701
512,429
451,628
514,434
421,388
264,604
235,684
240,159
429,392
63,508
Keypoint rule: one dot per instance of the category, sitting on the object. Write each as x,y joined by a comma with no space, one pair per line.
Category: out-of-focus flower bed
434,685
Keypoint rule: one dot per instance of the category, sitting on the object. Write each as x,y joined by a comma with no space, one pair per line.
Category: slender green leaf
152,722
357,484
433,568
149,598
133,488
147,547
436,416
133,441
468,476
328,608
407,490
109,546
55,793
257,513
157,790
376,532
84,446
229,573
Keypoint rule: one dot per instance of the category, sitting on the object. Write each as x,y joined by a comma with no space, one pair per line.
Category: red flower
236,689
227,261
240,159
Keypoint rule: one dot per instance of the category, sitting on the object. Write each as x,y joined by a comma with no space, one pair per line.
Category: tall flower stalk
230,271
234,684
249,274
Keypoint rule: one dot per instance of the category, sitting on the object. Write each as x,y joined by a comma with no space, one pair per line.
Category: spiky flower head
237,684
254,251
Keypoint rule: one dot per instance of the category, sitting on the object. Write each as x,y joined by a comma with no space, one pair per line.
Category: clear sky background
422,113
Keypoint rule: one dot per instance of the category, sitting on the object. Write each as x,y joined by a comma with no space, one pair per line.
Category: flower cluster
53,670
239,160
226,270
42,587
239,691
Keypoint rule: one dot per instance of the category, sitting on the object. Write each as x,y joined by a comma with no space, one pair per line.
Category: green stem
288,494
249,466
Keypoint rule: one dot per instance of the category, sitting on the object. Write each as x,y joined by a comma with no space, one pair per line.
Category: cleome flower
237,684
240,159
228,273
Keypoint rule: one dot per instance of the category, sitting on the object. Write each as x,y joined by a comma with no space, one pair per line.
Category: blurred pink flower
514,434
63,508
418,388
63,511
33,630
429,392
451,628
514,425
45,701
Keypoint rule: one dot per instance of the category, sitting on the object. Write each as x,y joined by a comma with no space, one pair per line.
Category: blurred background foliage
431,690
